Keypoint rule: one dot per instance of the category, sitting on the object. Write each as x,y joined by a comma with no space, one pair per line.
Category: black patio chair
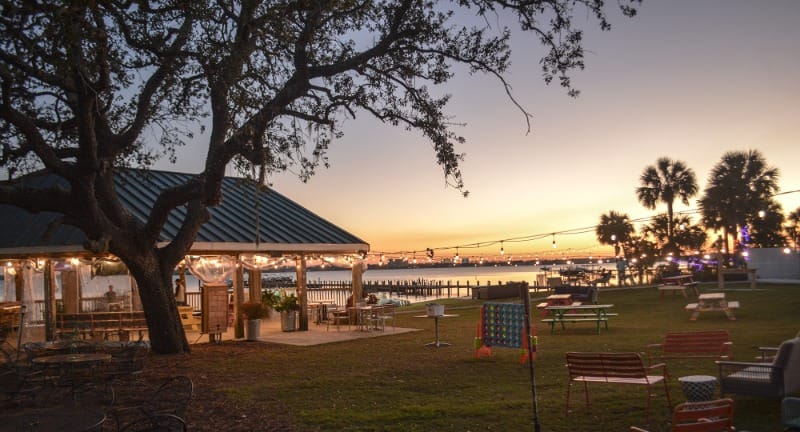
154,422
171,397
127,360
17,376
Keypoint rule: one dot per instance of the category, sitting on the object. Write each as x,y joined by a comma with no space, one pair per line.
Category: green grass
394,383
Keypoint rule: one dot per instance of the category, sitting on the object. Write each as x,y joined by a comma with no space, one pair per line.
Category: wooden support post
49,300
238,299
181,295
70,296
302,292
254,281
358,288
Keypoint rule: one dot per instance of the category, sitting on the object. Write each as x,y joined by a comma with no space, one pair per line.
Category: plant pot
288,320
253,329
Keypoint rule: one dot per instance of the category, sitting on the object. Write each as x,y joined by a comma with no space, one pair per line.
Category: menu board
215,308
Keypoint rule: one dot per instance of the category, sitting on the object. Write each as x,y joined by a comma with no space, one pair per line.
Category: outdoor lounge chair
708,416
776,379
790,414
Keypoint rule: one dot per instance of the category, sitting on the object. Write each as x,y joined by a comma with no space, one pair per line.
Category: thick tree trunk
160,307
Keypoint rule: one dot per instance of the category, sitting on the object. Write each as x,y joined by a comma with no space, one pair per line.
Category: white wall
774,263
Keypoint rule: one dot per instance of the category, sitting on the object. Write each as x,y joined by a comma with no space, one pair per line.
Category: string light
534,237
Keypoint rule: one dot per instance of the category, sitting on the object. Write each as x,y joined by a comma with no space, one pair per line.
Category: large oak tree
89,86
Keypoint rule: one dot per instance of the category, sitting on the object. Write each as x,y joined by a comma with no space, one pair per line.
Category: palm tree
766,230
686,236
643,255
665,182
793,227
614,229
739,186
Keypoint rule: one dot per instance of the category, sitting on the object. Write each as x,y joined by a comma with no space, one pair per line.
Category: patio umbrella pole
526,301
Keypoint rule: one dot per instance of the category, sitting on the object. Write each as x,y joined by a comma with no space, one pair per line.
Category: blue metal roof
279,223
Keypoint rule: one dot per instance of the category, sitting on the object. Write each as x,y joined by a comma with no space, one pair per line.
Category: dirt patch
210,410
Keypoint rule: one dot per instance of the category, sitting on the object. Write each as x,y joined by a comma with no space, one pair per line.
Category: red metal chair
708,416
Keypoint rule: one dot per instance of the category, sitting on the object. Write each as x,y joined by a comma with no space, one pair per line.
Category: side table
698,388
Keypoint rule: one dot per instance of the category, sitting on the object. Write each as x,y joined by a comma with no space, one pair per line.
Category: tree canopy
90,86
739,186
666,181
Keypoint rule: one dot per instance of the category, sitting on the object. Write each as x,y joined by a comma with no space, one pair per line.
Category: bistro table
711,302
69,364
62,419
436,343
596,313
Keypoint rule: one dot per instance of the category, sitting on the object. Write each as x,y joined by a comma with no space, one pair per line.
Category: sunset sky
685,79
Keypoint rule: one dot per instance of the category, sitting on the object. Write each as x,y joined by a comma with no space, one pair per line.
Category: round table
698,388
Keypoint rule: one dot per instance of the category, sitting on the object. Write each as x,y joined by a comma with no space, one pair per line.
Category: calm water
461,275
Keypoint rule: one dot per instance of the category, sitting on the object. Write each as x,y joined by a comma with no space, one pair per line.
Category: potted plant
270,299
288,307
253,312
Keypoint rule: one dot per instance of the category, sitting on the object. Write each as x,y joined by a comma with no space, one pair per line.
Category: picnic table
596,313
678,283
711,302
555,300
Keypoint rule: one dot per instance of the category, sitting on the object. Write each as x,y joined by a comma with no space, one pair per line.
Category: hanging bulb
501,249
456,257
554,241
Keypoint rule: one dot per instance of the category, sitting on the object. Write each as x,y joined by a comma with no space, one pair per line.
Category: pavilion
251,230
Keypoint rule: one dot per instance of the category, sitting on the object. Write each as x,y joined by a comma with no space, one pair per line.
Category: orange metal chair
709,416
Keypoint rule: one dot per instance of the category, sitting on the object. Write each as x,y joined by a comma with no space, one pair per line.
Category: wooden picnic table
678,283
711,302
596,313
555,300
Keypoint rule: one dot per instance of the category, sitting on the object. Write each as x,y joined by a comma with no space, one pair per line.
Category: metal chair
388,313
707,416
127,359
337,316
171,397
18,377
158,422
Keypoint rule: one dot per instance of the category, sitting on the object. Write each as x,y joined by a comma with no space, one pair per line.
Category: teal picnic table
597,313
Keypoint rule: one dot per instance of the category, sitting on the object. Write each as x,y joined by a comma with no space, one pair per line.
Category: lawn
395,383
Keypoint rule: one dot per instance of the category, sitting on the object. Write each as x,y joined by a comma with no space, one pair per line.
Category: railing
336,291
